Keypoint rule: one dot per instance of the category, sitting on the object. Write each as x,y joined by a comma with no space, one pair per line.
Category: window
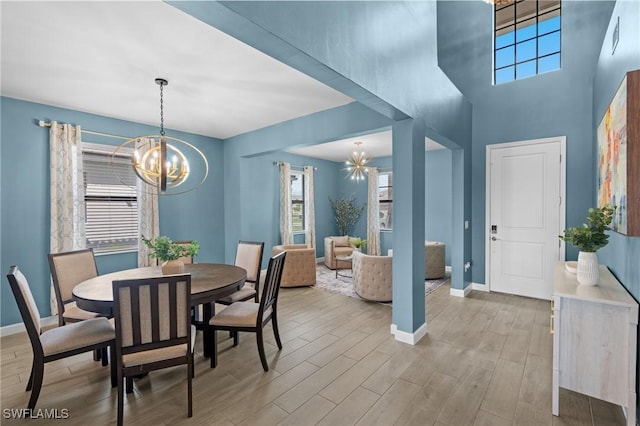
385,199
297,201
111,207
526,39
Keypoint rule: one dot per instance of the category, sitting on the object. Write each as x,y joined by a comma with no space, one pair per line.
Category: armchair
336,246
300,267
372,278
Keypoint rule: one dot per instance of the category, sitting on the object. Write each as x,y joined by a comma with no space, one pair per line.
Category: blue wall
25,197
622,254
558,103
438,200
349,46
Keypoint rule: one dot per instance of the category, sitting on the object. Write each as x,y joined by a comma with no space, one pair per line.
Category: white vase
171,267
588,268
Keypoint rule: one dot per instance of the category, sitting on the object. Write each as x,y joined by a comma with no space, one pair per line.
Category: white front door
525,216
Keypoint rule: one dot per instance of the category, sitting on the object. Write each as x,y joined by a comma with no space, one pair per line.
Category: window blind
110,202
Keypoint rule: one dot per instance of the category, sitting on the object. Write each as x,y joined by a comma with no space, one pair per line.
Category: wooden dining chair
56,343
67,270
252,317
153,329
249,257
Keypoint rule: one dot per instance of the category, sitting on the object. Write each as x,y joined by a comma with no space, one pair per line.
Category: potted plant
169,252
358,243
346,212
588,238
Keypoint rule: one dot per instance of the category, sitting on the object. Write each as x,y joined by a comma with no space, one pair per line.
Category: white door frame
563,187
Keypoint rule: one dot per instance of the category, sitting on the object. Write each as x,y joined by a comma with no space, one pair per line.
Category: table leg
208,310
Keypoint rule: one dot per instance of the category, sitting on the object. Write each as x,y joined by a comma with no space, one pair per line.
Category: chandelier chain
161,109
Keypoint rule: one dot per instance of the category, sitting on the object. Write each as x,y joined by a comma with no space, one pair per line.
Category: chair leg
120,397
38,373
214,348
114,366
96,355
129,381
104,357
236,338
30,382
276,333
189,387
263,358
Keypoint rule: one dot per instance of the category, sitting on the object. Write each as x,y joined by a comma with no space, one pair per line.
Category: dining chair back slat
153,328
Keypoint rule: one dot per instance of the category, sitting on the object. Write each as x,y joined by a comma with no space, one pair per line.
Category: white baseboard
460,293
320,260
480,287
410,338
447,269
10,329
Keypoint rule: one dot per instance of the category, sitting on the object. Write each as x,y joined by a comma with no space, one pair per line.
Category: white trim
447,269
410,338
487,199
320,260
480,287
460,293
10,329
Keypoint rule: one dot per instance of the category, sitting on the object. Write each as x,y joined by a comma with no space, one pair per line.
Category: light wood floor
485,361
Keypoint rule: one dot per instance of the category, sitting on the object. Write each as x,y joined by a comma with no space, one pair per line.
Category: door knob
493,238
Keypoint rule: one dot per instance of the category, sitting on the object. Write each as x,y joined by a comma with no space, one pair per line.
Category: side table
344,260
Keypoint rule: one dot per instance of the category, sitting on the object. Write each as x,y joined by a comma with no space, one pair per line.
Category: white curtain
373,213
286,229
148,216
67,192
310,209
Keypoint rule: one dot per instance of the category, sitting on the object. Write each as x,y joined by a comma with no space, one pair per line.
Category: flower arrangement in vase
169,252
588,238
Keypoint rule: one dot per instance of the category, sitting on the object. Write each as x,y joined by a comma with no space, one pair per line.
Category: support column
408,318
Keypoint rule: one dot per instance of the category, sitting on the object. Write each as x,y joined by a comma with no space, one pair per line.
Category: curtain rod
43,123
277,163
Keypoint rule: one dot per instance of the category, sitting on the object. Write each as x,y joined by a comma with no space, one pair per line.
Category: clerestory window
526,39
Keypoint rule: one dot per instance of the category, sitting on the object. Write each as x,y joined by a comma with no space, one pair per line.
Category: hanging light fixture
356,169
160,164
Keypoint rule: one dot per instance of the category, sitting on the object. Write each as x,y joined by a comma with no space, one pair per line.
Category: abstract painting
612,158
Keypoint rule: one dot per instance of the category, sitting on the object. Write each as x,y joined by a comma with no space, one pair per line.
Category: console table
594,340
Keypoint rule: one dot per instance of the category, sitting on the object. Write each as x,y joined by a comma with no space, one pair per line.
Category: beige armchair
434,252
372,277
336,246
300,266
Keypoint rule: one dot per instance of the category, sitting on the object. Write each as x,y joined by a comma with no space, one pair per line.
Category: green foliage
358,242
590,236
164,249
346,212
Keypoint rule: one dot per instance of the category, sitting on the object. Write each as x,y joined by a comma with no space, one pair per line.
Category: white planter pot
588,268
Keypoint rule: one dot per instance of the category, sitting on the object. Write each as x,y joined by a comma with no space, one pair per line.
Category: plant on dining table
164,249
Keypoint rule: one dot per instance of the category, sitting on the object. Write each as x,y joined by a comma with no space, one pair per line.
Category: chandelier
356,169
161,165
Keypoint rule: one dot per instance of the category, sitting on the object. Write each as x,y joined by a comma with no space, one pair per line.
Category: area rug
326,280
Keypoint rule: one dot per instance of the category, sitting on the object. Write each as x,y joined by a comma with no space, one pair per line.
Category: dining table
209,282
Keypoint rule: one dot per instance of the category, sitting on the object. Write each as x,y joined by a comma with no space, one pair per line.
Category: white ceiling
375,145
103,57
